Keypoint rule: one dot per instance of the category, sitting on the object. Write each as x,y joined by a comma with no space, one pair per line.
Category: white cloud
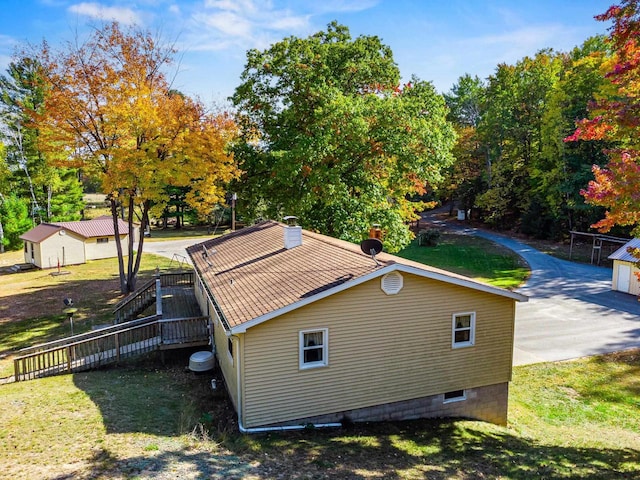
101,12
240,6
227,23
338,6
244,23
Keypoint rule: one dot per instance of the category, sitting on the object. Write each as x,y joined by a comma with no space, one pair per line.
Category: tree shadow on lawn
179,463
152,401
438,450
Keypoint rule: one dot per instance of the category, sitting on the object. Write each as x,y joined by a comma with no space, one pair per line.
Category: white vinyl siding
383,348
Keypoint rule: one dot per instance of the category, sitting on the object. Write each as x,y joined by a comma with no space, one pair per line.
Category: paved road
173,249
572,311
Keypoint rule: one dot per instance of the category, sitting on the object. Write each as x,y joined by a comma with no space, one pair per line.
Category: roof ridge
344,245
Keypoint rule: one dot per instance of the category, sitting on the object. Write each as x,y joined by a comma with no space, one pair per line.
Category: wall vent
392,283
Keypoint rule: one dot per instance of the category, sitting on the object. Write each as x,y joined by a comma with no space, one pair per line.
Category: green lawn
472,256
570,420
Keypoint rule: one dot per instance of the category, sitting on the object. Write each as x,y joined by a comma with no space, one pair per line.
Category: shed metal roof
623,254
99,227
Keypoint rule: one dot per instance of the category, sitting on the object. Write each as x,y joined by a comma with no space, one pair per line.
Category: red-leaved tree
615,116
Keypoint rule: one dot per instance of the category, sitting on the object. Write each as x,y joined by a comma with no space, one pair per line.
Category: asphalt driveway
572,311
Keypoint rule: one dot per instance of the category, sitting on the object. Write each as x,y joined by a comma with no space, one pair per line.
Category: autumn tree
615,117
109,110
329,135
563,169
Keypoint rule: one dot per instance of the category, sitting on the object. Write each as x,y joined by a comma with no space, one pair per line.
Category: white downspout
242,428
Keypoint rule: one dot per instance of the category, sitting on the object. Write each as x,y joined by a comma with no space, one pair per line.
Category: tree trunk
116,230
144,221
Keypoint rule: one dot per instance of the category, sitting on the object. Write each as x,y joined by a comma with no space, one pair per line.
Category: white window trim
230,355
461,398
472,330
325,349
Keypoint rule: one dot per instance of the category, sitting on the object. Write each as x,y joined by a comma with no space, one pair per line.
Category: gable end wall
382,349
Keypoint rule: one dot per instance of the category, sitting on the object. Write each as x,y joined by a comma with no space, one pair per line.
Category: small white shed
625,269
71,243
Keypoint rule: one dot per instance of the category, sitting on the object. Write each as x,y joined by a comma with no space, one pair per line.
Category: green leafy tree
52,192
15,220
562,169
328,135
4,188
517,97
467,177
66,202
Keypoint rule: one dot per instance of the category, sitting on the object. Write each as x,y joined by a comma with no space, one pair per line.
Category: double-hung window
313,348
464,329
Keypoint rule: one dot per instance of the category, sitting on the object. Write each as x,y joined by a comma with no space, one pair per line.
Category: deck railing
128,308
176,279
87,335
111,347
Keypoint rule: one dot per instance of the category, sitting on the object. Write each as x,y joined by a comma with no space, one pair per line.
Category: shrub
428,237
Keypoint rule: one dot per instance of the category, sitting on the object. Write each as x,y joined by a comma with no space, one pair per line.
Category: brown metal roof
98,227
40,232
251,275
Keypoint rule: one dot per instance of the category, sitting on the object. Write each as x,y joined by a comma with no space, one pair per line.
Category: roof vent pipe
292,233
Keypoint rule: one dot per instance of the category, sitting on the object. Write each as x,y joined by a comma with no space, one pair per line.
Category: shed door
624,277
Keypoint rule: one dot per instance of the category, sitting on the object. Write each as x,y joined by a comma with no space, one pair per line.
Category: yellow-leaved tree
109,109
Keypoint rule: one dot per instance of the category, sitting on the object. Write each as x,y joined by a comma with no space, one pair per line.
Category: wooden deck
179,302
177,323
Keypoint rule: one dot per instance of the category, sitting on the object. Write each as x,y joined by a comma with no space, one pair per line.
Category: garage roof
623,252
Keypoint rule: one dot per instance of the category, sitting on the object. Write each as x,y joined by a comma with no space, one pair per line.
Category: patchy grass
590,401
474,257
572,420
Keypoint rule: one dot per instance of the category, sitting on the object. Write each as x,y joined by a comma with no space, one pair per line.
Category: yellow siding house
308,330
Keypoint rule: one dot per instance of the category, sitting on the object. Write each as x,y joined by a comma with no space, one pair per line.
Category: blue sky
437,40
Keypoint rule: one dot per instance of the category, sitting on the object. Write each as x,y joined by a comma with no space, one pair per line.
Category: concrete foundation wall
488,404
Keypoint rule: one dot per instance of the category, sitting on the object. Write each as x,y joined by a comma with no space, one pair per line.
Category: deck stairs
125,339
